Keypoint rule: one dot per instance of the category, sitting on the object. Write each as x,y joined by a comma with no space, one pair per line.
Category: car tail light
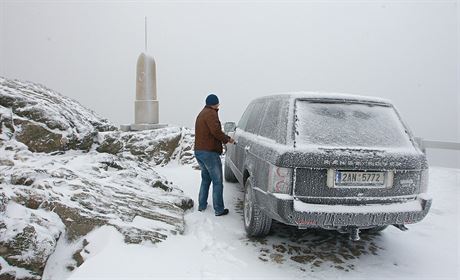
424,181
279,180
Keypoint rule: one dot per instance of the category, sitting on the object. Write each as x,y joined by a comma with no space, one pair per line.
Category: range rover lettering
331,161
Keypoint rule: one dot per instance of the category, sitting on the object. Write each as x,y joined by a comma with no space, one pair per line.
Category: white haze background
406,51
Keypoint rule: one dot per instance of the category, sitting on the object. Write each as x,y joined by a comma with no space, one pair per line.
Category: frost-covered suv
332,161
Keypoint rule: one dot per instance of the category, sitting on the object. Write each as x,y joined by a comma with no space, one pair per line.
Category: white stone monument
146,105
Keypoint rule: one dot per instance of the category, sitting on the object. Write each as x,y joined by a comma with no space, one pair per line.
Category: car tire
256,222
229,176
374,229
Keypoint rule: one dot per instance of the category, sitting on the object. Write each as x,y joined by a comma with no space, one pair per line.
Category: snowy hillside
65,172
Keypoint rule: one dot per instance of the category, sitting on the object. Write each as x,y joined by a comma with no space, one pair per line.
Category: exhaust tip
354,234
401,227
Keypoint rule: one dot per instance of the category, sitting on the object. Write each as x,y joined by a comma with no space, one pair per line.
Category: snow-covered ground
217,247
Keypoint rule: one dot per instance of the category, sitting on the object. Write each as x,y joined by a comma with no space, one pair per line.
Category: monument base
146,111
141,126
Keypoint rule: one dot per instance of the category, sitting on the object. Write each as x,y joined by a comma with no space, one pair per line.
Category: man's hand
231,141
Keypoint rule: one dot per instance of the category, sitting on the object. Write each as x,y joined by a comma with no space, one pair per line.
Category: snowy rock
37,138
158,146
28,237
3,202
65,171
76,192
45,120
184,152
184,203
6,162
22,178
154,145
110,143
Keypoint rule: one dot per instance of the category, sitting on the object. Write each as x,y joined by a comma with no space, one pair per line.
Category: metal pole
145,35
441,145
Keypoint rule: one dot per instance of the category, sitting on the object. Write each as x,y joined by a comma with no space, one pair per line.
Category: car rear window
349,125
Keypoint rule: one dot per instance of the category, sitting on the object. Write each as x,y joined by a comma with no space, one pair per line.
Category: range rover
331,161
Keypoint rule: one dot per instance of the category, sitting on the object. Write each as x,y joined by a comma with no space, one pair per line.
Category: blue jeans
211,171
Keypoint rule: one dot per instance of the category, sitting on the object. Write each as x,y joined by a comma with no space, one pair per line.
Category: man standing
208,148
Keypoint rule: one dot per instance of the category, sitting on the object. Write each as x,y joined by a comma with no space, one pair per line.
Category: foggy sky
406,51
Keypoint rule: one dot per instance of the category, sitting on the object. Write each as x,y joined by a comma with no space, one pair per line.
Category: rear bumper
290,211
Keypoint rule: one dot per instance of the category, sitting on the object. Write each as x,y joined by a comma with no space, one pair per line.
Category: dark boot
223,213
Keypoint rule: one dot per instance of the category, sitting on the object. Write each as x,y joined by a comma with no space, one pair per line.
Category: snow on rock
184,152
159,146
28,236
71,194
65,172
45,120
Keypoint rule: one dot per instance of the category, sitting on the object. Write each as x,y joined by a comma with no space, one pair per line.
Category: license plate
354,178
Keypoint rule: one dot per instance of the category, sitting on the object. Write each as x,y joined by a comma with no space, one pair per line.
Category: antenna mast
145,34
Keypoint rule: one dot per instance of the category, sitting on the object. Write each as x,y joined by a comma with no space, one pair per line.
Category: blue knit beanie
212,99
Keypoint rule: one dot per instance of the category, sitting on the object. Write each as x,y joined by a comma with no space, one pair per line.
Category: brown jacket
208,131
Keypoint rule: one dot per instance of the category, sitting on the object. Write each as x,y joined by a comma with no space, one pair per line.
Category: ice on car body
316,137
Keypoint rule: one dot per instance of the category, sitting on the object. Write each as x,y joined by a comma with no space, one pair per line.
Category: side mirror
229,127
419,141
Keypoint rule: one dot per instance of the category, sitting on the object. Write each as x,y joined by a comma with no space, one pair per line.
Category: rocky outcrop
159,146
28,237
65,171
44,198
44,120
